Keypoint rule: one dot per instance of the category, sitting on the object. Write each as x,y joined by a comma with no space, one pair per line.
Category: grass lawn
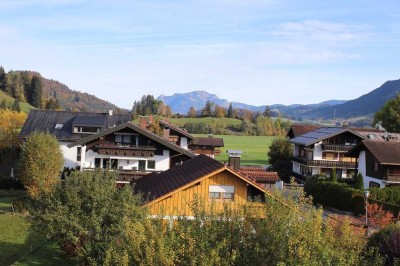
16,239
48,254
254,148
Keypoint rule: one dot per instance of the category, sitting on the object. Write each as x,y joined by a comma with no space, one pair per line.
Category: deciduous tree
389,115
279,155
192,112
87,213
40,164
10,124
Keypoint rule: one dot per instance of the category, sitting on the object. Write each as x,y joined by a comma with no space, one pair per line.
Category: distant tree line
24,86
148,105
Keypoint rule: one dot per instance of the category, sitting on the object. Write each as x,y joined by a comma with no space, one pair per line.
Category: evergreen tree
207,110
4,104
230,111
36,91
2,79
16,106
358,181
267,111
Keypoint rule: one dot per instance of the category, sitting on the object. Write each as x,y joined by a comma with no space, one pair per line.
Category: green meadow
25,107
254,148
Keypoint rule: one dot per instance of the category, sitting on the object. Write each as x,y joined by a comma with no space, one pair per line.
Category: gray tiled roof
46,120
321,134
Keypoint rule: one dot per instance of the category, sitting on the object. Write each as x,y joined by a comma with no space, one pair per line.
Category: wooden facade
179,202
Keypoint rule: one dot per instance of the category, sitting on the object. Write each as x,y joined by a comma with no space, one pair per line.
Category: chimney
110,112
234,159
166,133
143,123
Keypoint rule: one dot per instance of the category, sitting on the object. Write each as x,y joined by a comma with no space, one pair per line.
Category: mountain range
363,106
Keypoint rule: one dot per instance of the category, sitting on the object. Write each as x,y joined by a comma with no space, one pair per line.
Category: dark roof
157,185
300,129
386,152
138,129
214,142
321,134
89,120
176,129
46,120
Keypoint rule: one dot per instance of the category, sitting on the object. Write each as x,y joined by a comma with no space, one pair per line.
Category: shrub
387,242
358,181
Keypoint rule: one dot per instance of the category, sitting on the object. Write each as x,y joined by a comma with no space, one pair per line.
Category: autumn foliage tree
40,164
10,124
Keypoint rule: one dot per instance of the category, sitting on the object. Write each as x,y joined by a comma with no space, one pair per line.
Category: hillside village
170,175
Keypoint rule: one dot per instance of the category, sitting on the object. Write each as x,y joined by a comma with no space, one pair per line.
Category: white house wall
69,154
184,142
318,151
129,163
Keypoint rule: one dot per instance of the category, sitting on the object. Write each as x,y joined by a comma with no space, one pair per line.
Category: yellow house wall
180,202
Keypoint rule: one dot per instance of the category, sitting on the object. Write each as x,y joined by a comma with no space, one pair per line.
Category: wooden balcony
323,163
336,148
115,149
392,177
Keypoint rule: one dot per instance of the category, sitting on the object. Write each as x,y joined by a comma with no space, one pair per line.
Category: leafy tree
168,111
11,123
207,110
219,111
40,164
16,106
387,242
358,181
192,112
389,115
162,109
36,91
279,155
230,111
52,104
86,213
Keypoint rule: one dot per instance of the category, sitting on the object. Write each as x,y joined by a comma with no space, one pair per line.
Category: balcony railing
129,175
323,163
392,177
121,149
337,148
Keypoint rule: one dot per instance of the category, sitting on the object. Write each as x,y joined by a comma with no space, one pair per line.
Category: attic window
371,136
59,126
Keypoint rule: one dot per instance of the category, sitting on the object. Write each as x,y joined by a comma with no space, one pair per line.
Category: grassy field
25,107
254,148
17,240
207,120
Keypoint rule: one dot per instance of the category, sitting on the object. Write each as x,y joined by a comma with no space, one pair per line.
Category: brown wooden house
172,192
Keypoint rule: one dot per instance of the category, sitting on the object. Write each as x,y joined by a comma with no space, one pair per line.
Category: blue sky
253,51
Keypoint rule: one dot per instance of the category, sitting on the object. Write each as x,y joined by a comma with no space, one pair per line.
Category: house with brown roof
130,149
172,192
378,162
267,180
300,129
198,145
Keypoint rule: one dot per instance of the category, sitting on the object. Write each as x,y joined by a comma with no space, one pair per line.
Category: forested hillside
30,87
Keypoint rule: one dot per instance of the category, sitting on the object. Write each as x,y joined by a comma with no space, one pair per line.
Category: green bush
387,242
343,197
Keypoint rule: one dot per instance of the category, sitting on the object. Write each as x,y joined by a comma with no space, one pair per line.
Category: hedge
342,197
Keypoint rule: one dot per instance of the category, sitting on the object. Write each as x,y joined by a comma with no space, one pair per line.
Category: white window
224,192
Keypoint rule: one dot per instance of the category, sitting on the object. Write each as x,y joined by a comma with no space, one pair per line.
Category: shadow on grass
48,254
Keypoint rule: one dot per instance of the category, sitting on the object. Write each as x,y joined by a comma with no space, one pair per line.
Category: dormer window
86,130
